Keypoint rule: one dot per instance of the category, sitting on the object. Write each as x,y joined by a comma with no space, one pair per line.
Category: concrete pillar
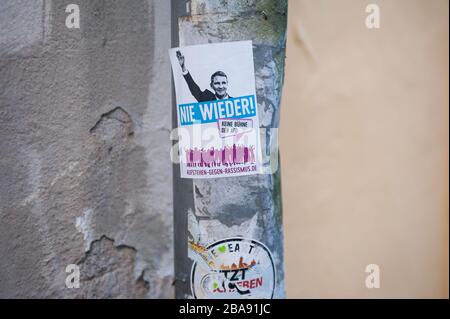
247,206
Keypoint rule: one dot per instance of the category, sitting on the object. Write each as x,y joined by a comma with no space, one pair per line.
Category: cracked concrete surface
85,174
107,272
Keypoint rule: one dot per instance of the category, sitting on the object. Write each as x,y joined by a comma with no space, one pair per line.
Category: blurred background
364,149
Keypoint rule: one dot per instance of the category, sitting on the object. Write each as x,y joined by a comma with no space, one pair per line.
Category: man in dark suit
219,83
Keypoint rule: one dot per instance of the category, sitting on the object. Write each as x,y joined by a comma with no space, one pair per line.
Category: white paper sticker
216,109
233,268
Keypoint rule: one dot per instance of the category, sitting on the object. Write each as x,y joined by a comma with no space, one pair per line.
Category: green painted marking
222,249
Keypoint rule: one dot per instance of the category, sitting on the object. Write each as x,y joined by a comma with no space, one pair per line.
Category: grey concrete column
248,206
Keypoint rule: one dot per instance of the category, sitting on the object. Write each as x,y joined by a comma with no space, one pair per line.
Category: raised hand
180,58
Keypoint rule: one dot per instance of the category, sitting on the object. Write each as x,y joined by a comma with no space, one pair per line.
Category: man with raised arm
219,83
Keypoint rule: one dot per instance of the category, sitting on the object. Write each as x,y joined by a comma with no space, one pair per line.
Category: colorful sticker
233,268
217,110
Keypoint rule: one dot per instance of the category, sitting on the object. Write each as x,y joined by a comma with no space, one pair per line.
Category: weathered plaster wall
85,176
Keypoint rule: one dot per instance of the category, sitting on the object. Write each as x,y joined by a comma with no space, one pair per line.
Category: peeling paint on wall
85,178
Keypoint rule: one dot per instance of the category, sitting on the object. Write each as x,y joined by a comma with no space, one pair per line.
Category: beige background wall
364,143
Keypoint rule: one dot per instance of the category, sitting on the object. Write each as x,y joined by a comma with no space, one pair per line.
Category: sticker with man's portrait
217,112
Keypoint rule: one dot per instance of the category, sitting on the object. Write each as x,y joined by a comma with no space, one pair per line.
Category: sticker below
233,268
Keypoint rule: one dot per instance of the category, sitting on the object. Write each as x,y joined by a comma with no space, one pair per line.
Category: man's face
219,84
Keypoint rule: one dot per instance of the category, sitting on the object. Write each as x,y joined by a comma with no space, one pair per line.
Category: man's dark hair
218,73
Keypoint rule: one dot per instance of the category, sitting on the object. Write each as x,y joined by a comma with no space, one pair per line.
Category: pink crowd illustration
228,155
